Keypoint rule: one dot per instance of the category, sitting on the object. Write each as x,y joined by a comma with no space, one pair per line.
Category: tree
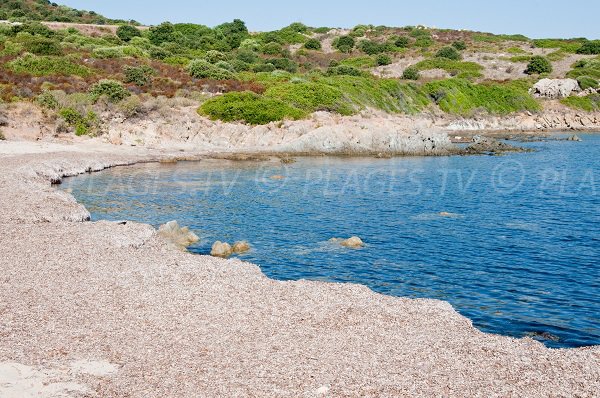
128,32
344,44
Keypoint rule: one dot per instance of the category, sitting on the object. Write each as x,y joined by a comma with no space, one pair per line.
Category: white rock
181,237
554,88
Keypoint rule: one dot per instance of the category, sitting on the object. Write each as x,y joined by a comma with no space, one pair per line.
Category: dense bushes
249,107
83,124
459,45
449,53
312,44
202,69
462,97
589,47
46,65
538,65
138,75
310,97
344,44
42,46
111,89
410,73
402,42
128,32
383,59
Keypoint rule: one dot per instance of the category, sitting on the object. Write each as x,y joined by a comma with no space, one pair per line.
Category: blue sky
534,18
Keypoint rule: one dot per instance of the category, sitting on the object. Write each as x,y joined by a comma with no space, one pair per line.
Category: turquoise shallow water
519,253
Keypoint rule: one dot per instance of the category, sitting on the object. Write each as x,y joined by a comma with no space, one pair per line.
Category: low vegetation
588,103
236,75
460,96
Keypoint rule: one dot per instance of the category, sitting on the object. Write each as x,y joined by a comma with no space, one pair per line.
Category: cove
512,242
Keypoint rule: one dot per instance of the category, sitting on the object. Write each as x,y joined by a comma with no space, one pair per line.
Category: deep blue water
520,254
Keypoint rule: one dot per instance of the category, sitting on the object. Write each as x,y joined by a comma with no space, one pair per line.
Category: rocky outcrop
180,237
554,88
485,145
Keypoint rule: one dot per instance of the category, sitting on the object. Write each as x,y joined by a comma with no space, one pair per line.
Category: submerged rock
221,249
181,237
241,247
573,138
353,242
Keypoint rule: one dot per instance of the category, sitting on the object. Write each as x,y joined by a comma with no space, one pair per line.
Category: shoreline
225,327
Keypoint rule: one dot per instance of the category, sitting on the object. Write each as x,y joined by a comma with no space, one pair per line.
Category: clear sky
534,18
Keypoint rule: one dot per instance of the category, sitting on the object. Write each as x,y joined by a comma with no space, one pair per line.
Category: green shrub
161,33
214,56
372,48
47,100
462,97
310,97
312,44
202,69
128,32
459,45
538,65
402,42
83,124
589,103
344,44
586,82
272,49
383,59
138,75
590,47
112,89
42,46
12,48
424,42
118,52
449,53
159,53
47,65
248,107
285,64
410,73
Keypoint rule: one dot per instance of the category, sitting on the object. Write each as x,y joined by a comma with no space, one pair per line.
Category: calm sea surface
512,242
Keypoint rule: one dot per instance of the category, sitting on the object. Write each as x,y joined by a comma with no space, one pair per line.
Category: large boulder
181,237
554,88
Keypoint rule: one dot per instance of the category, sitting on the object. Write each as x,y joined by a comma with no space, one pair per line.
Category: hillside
78,74
44,10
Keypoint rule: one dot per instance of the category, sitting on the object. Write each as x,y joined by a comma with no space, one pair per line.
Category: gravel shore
104,309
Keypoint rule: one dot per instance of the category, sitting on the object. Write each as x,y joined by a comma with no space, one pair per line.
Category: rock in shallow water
353,242
241,247
221,249
181,237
